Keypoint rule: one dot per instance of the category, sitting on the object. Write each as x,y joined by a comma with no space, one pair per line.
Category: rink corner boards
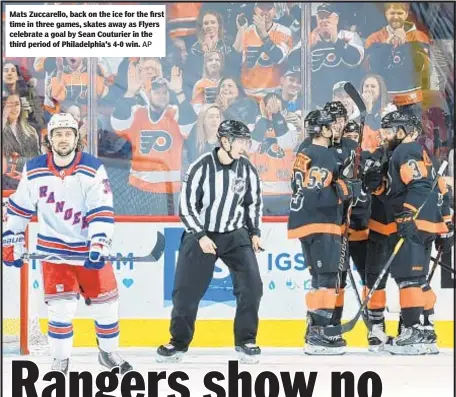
219,333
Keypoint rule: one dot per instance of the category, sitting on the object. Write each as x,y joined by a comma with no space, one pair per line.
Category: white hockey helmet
62,120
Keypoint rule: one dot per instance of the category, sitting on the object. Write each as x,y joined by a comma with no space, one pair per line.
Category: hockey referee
221,208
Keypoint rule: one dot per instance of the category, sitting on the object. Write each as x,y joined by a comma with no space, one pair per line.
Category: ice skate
112,360
170,353
249,353
376,345
319,344
60,365
411,342
430,340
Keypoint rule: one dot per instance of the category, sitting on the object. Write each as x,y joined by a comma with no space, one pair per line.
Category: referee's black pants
194,273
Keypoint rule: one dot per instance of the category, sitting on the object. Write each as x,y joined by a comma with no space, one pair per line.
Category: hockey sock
320,305
412,305
338,310
106,316
429,303
376,305
60,327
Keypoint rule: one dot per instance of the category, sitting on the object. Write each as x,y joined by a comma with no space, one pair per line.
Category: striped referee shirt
221,198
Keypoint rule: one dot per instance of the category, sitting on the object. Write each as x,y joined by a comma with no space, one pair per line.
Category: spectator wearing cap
156,133
336,54
399,52
290,95
265,47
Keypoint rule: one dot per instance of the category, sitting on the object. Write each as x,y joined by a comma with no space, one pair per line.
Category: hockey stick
434,266
153,256
443,265
354,95
349,325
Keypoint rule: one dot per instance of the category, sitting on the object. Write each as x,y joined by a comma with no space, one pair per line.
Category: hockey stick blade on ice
349,325
153,256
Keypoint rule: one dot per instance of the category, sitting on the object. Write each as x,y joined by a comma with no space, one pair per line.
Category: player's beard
64,154
394,143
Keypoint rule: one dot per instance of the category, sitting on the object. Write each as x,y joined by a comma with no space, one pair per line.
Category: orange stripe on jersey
381,228
314,228
410,207
431,227
413,169
358,235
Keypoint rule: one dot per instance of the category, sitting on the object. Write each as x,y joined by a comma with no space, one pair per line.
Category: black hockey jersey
345,157
411,173
381,219
315,206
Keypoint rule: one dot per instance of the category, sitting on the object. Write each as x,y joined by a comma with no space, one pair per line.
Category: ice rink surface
423,376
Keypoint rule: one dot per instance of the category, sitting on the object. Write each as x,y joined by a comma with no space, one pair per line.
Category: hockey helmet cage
336,108
397,119
62,120
352,127
232,129
317,119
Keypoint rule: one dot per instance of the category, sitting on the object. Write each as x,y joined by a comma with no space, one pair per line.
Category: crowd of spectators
240,61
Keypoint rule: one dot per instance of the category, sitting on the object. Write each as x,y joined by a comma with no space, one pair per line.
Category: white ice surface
424,376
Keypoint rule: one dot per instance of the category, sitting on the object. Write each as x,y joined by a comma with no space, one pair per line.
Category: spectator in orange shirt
205,89
265,46
71,82
399,53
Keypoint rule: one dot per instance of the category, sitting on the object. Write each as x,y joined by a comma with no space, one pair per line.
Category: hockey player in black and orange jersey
315,218
344,151
410,174
380,244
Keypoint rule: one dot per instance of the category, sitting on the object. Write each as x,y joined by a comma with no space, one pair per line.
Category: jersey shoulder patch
37,162
90,161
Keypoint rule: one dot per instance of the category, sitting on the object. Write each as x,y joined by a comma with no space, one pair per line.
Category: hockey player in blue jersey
69,191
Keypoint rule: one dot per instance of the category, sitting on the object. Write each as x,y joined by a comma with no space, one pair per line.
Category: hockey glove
355,186
100,247
406,226
445,241
13,248
343,190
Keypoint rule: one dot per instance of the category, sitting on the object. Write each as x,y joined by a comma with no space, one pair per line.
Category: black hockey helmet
400,119
232,129
336,108
352,127
316,119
